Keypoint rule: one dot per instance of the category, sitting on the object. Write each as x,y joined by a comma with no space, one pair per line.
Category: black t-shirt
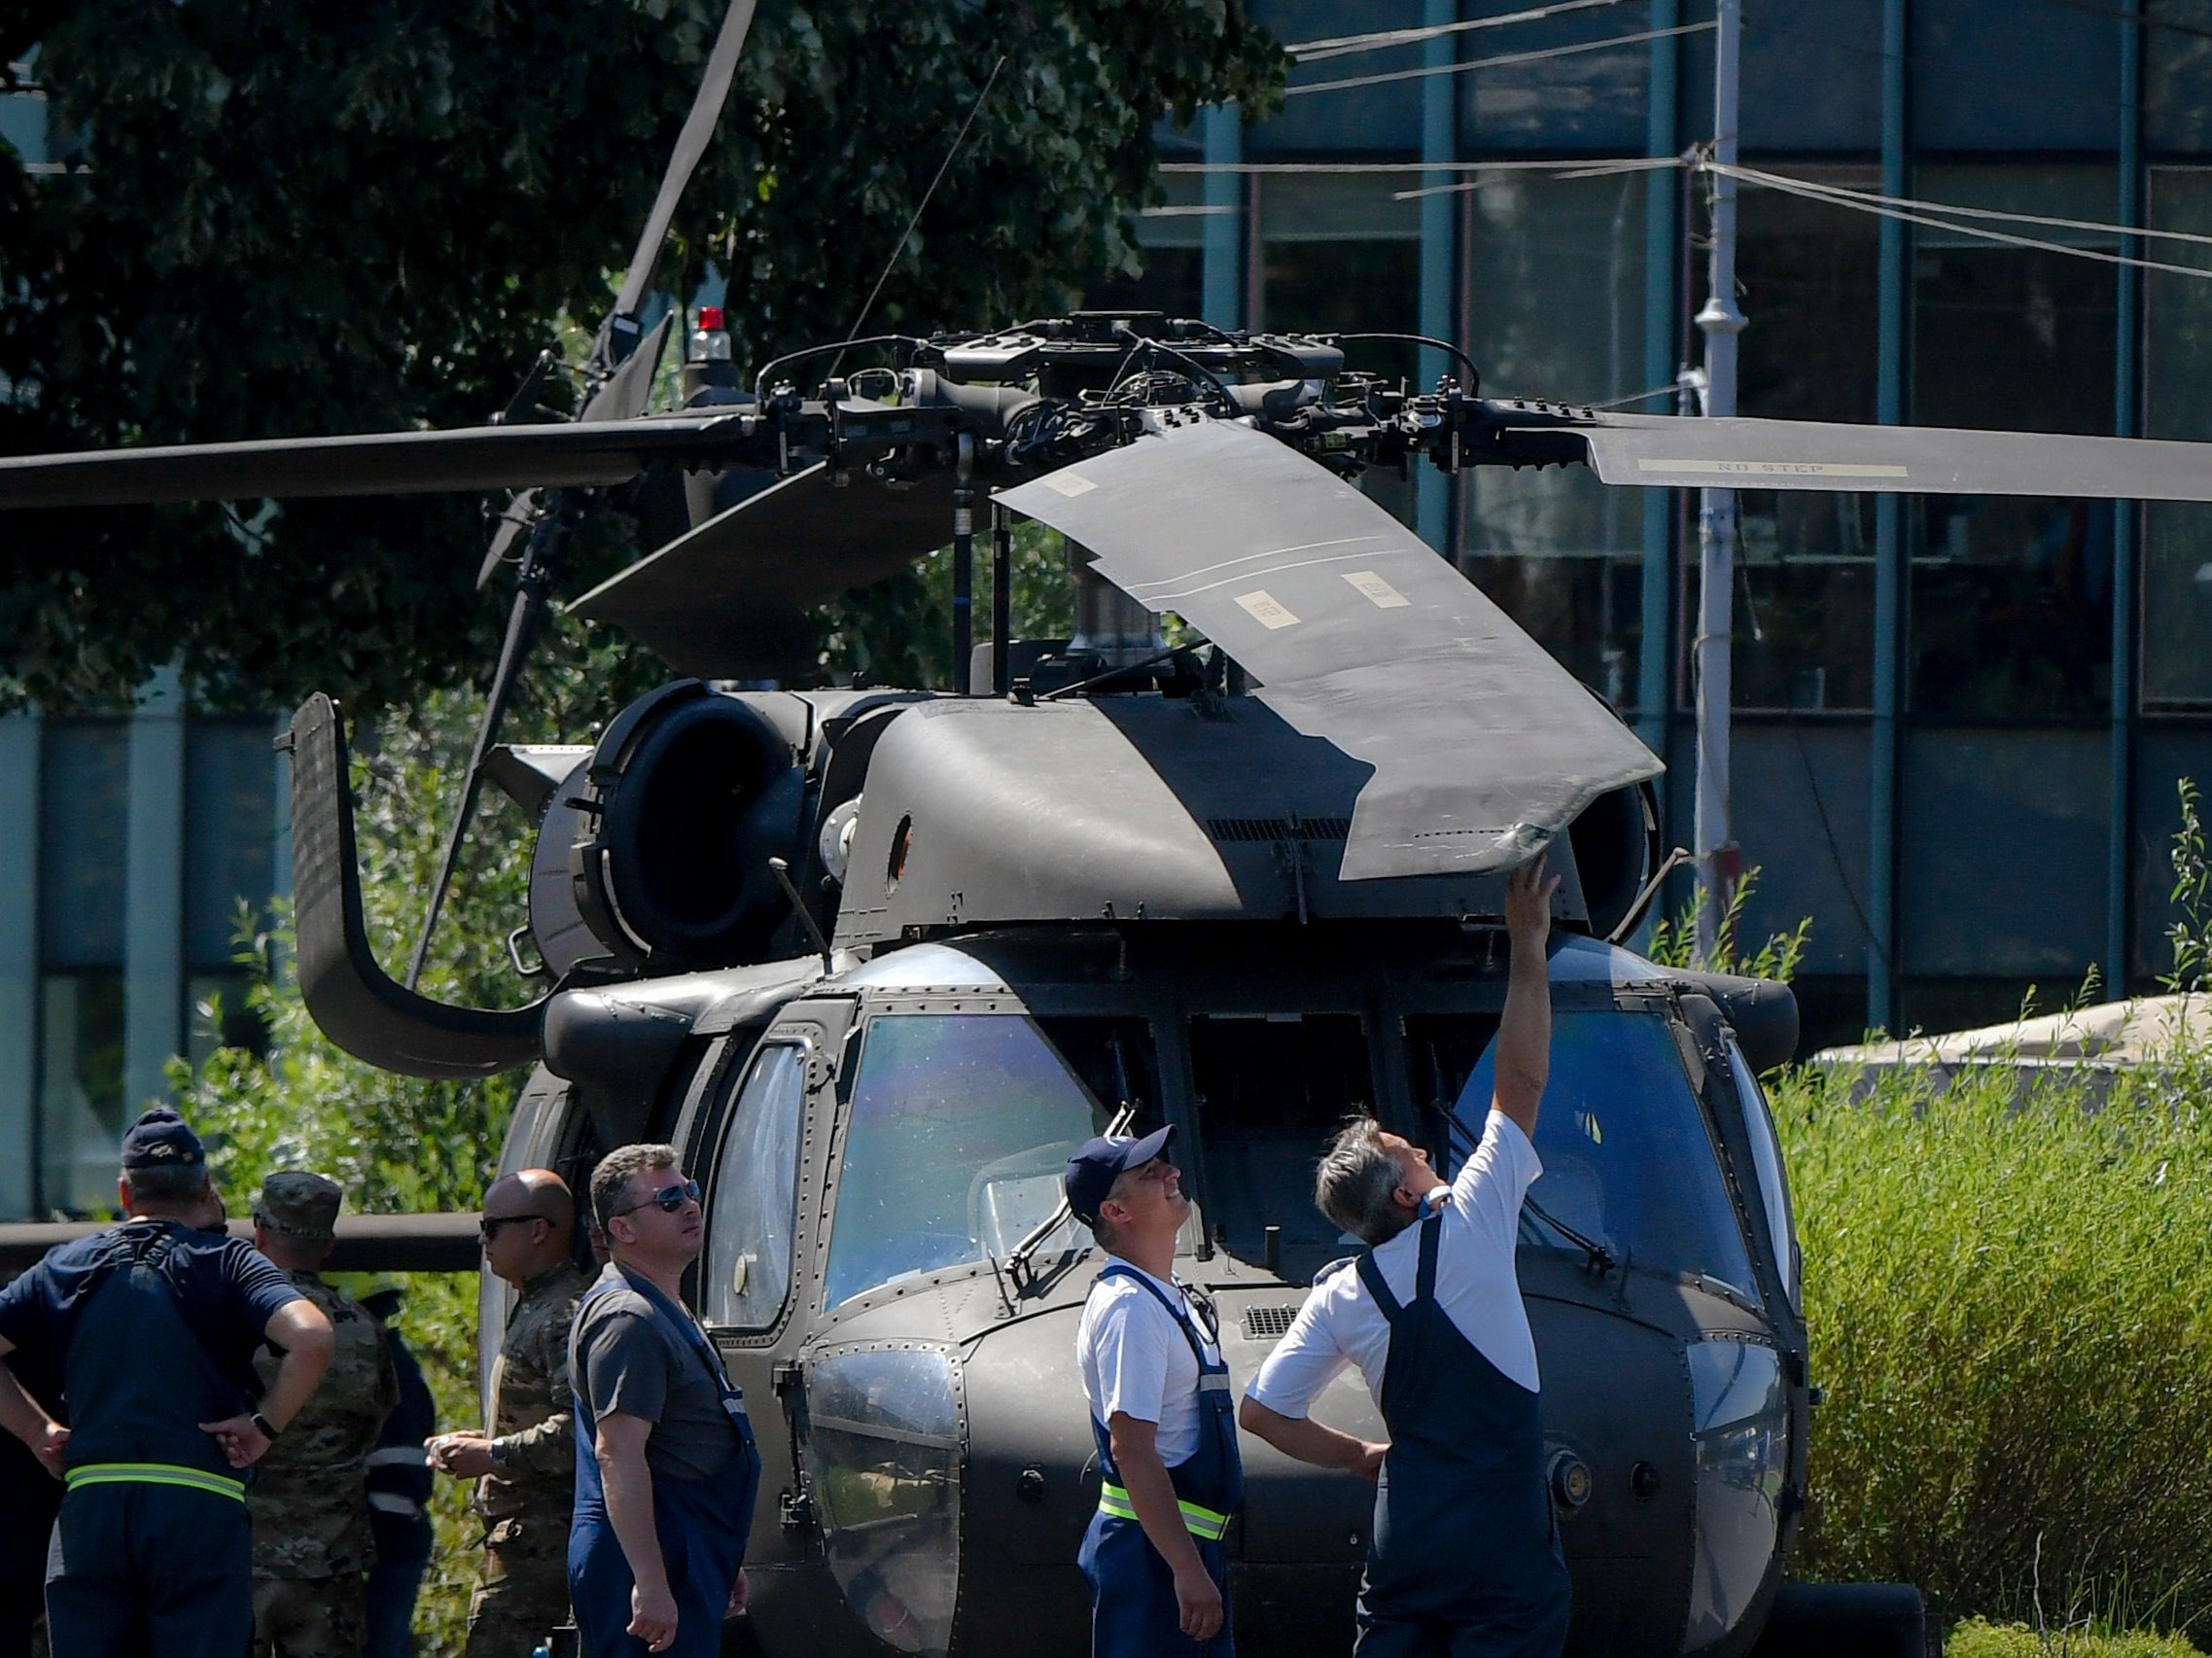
227,1291
625,1356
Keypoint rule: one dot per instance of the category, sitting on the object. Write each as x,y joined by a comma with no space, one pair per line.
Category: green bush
1977,1638
2007,1305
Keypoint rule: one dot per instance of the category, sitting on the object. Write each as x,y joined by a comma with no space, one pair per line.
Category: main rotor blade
471,458
690,145
728,600
1907,460
1484,747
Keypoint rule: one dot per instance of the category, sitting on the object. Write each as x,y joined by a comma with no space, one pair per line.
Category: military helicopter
876,960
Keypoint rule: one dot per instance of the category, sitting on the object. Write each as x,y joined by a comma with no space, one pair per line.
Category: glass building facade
1960,722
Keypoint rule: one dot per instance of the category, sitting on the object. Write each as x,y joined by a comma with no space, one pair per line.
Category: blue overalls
151,1557
1465,1554
1134,1613
701,1523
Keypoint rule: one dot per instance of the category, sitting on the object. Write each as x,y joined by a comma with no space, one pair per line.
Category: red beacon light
709,343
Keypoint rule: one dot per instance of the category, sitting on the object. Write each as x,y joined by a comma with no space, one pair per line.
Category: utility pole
1721,322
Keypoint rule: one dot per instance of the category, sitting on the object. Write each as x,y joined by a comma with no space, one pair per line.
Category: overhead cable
1579,169
1501,60
1856,204
1550,163
1381,40
1753,175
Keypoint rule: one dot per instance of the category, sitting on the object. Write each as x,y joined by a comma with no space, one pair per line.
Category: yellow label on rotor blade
1385,596
1777,469
1265,609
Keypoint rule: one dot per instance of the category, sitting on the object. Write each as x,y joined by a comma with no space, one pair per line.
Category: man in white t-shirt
1170,1477
1464,1557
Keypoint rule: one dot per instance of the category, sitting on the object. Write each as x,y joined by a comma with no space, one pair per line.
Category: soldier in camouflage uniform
526,1466
309,1507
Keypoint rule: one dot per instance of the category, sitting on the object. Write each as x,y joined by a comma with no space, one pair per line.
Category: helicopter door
1271,1088
746,1274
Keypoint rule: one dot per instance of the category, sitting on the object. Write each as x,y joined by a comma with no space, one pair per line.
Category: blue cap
161,1139
1092,1171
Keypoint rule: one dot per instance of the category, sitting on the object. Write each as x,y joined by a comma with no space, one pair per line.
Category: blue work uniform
1133,1611
397,1486
156,1324
701,1523
1464,1559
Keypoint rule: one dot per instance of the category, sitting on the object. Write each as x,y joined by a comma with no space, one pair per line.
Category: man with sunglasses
666,1471
525,1466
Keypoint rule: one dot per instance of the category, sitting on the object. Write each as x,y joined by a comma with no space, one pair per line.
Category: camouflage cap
161,1139
302,1204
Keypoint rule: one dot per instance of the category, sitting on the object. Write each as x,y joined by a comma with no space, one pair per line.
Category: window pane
2023,77
959,1128
2003,835
1555,308
1628,1160
1812,76
2011,597
2177,552
80,1089
1805,607
230,833
1580,101
748,1236
1271,1091
2177,76
1359,118
84,804
1339,256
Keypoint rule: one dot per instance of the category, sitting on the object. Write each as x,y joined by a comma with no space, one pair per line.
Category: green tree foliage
282,221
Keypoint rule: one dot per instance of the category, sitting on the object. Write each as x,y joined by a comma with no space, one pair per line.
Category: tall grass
2010,1305
2008,1299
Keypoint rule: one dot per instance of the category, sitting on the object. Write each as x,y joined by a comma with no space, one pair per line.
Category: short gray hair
1356,1183
612,1179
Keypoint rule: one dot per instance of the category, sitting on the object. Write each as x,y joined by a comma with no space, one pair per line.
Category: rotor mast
1721,322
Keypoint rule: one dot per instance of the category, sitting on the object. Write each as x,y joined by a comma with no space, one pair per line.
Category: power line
1817,193
1500,61
1382,40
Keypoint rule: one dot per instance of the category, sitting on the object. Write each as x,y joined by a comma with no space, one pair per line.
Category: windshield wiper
1018,1262
1596,1256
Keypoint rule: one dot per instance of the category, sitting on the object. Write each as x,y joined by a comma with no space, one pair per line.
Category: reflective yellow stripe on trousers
1205,1524
154,1473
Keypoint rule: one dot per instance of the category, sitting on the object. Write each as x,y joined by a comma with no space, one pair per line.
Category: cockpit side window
747,1269
958,1128
1628,1161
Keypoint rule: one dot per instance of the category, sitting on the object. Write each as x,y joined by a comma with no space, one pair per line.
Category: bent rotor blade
690,145
1484,747
474,459
1684,452
728,600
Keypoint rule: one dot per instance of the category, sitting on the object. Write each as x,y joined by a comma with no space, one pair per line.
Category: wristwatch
268,1429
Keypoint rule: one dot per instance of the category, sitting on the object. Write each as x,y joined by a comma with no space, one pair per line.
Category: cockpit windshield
1628,1162
960,1127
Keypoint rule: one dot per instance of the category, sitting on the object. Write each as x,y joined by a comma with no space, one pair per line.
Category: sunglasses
488,1228
669,1198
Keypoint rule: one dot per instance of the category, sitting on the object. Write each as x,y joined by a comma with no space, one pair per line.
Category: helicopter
875,959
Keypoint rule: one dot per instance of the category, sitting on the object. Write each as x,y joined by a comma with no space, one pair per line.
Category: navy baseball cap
161,1139
1092,1171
